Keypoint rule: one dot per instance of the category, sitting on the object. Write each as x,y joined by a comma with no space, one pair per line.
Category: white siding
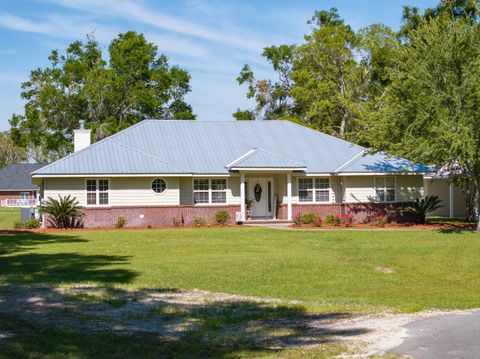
186,190
409,188
439,187
137,191
128,191
54,187
358,189
337,190
459,208
361,188
233,190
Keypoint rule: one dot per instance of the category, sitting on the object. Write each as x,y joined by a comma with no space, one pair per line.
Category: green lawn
8,217
339,272
354,270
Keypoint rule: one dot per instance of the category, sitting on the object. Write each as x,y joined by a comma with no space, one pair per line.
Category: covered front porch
263,194
265,184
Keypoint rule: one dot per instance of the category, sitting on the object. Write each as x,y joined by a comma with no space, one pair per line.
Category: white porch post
242,195
289,196
451,188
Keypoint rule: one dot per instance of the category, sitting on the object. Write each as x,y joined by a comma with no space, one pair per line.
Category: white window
219,190
314,190
209,191
385,189
24,195
97,192
159,185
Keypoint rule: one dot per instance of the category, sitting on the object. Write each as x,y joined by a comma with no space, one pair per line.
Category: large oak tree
134,83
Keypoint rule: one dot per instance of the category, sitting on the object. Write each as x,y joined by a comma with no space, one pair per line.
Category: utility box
27,213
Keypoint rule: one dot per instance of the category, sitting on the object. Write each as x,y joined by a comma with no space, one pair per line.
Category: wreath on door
258,192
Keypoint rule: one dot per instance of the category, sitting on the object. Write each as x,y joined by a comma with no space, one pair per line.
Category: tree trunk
478,208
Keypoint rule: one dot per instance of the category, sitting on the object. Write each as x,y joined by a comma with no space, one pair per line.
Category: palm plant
426,205
64,212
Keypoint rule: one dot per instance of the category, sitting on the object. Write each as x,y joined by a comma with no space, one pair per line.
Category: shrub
199,221
423,206
333,219
221,217
297,219
318,222
31,224
369,218
308,218
347,220
176,222
64,212
381,221
120,222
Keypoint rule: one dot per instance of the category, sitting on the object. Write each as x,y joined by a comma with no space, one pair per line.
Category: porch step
266,221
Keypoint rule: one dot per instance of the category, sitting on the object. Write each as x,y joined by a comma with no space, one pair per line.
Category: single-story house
158,170
16,188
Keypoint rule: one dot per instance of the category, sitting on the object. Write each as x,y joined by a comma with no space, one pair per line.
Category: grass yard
8,217
335,270
332,273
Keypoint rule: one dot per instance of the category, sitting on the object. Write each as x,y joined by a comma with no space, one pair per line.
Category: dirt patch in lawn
219,318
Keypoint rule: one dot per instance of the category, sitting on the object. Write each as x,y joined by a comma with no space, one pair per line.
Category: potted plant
248,206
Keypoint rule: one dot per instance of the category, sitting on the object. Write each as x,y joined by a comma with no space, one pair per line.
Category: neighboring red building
16,188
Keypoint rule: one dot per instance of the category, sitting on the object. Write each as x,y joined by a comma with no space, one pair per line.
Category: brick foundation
161,216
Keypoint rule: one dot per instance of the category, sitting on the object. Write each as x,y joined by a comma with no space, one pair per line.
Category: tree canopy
431,113
136,82
331,82
10,153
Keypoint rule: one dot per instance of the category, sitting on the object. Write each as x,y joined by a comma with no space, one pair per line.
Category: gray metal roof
207,147
260,158
17,177
381,163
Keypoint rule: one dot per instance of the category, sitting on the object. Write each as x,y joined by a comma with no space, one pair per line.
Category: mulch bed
402,226
51,230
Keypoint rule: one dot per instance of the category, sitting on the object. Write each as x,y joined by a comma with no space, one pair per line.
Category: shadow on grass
30,340
19,267
12,241
108,322
139,329
458,229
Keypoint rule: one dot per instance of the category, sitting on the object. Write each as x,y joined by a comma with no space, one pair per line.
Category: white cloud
173,44
133,10
57,25
77,27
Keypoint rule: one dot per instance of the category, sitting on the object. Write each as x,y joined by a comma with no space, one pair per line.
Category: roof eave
272,169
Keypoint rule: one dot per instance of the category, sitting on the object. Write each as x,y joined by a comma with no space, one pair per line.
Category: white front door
260,190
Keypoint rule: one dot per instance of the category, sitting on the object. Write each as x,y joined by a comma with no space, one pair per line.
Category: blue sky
211,39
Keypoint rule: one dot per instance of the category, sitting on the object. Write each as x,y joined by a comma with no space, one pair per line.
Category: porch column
289,196
242,195
451,188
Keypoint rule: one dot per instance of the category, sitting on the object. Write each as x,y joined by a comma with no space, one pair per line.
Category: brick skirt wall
160,216
358,210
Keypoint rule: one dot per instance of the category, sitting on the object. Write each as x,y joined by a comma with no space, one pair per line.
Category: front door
260,190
